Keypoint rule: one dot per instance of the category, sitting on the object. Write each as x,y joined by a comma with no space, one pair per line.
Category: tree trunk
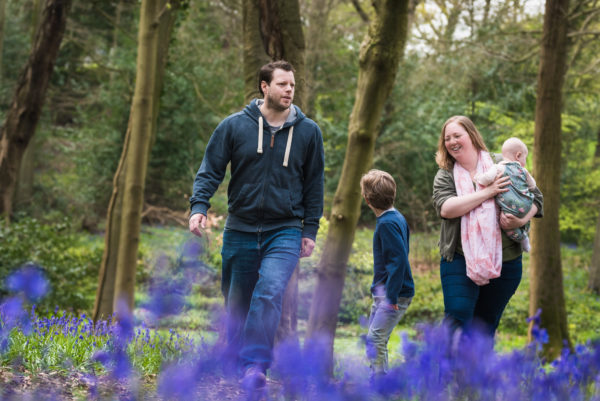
24,113
594,280
24,184
117,272
546,280
379,59
254,51
318,14
273,31
2,21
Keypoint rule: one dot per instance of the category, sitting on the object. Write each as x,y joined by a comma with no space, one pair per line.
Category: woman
480,266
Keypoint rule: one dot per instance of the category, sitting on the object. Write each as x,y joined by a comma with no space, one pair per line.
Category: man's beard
272,104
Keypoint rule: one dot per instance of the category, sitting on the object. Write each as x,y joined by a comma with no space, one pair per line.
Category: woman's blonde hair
379,189
442,157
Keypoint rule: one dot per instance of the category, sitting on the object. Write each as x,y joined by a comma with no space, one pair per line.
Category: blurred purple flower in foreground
29,280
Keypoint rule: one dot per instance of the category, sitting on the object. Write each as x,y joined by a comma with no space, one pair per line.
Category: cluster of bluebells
434,366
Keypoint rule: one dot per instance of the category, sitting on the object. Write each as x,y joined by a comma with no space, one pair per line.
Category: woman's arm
509,221
457,206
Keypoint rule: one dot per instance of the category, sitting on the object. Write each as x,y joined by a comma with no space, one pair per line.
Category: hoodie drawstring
260,134
288,146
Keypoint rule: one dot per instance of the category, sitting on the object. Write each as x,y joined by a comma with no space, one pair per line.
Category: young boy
518,199
393,286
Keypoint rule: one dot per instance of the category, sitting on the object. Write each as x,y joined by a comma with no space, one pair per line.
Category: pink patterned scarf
480,230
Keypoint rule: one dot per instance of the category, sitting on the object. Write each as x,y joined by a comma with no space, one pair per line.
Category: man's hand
389,306
197,224
307,247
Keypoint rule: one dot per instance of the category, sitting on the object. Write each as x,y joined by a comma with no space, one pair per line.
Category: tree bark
273,31
24,185
117,272
380,55
24,113
318,14
594,279
546,279
254,51
2,21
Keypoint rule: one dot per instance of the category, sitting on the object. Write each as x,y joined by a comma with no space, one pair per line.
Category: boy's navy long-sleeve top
390,256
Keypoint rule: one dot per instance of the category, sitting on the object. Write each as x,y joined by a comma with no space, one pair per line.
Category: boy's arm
395,256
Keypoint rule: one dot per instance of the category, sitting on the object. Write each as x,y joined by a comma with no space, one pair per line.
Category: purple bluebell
29,280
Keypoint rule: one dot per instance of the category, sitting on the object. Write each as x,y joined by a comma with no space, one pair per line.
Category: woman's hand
509,221
498,186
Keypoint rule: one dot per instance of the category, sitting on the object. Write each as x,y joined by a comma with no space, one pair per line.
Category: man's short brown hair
379,189
266,71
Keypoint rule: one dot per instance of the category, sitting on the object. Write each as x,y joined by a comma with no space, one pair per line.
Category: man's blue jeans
258,267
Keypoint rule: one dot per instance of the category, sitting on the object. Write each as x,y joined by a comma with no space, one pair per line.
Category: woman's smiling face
457,140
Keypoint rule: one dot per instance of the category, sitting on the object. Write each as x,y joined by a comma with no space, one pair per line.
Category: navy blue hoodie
271,186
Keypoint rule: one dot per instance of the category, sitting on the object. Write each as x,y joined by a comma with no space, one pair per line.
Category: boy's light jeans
382,321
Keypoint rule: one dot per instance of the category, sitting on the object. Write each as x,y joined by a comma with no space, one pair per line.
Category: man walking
275,201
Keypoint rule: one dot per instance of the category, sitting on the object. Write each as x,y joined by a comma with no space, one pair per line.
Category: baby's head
515,150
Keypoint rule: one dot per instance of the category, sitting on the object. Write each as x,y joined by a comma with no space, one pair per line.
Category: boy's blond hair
379,189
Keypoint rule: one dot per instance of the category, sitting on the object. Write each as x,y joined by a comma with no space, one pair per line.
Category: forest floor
20,385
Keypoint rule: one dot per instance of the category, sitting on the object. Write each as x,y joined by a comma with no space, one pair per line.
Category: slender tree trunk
2,20
117,272
24,184
546,279
594,280
318,14
273,31
24,113
254,52
380,55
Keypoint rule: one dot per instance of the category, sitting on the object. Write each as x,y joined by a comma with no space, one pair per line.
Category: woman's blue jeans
256,270
466,303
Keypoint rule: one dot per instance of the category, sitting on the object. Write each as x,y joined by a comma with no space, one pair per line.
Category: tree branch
363,15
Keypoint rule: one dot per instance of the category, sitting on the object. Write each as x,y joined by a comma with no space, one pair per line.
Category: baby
518,200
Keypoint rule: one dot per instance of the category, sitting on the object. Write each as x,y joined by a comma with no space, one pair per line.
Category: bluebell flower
29,280
12,314
125,325
178,382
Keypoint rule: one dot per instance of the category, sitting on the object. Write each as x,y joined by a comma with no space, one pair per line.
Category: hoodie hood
294,117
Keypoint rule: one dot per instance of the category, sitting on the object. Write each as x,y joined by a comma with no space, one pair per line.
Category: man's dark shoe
254,378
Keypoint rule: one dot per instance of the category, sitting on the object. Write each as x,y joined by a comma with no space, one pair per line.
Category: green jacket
443,189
